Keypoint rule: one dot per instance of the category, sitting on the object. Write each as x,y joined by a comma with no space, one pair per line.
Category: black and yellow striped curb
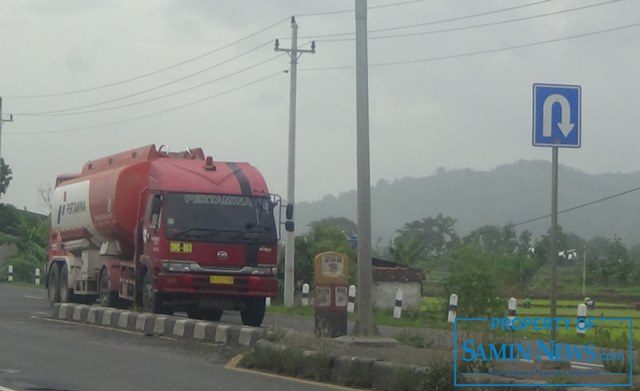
155,324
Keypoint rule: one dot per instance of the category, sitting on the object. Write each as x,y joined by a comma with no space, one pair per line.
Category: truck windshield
219,218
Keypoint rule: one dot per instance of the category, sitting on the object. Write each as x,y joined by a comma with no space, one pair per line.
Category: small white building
388,277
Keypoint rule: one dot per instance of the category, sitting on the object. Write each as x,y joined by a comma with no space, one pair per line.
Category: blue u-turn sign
556,115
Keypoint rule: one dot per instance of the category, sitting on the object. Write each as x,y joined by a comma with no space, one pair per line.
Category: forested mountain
510,193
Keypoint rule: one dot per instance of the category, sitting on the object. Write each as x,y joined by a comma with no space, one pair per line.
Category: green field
606,333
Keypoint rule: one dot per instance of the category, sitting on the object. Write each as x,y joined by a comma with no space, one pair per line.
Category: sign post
556,123
331,271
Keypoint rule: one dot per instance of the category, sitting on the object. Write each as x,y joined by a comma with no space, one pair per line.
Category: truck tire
107,297
213,315
65,294
53,282
253,313
151,300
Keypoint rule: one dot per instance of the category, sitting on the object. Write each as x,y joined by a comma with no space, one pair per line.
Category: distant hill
510,193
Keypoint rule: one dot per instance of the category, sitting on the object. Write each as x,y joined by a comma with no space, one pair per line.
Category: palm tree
29,235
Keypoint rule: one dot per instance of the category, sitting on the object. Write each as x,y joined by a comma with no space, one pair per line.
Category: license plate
221,280
180,247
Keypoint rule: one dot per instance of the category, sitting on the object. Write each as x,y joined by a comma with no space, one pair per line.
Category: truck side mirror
289,226
156,205
289,212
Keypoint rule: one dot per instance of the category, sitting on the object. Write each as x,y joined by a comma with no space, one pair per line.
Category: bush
474,280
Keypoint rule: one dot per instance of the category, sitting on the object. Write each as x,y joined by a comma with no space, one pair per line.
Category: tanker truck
167,231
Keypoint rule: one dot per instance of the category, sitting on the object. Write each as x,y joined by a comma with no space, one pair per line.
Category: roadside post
581,322
397,308
305,295
453,308
512,305
37,276
10,277
331,271
351,305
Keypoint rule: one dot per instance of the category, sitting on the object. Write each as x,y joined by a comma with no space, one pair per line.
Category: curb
377,374
161,325
362,372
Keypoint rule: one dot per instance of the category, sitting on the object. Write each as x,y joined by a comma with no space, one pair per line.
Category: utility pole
364,326
294,54
584,271
553,252
2,120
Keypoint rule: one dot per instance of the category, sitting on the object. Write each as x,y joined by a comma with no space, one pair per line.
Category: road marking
111,329
6,389
83,324
233,366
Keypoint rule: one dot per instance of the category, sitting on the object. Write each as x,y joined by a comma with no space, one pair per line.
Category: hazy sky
433,103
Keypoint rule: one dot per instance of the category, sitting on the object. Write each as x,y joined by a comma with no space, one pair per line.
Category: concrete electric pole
365,326
2,120
289,254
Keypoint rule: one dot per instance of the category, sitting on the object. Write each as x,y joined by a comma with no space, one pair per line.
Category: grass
611,334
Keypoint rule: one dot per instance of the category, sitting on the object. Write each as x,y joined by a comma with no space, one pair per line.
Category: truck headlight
178,267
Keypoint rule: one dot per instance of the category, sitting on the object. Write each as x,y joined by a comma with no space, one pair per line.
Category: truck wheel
253,313
65,294
53,282
151,300
107,297
213,315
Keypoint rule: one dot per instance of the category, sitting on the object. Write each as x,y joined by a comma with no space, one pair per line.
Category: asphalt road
38,353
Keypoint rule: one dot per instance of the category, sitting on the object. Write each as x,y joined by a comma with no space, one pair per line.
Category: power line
112,84
440,21
150,114
65,112
470,26
344,11
478,233
577,207
468,54
153,72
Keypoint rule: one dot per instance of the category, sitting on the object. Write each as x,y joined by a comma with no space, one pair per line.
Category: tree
543,245
494,239
424,240
45,191
515,271
321,238
29,235
348,227
5,176
8,217
473,279
610,262
524,242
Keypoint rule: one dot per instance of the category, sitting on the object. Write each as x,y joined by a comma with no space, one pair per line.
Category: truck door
151,227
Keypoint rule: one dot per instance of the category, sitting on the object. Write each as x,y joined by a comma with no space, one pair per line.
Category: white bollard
351,304
10,278
397,309
453,308
581,322
305,294
512,305
37,276
267,302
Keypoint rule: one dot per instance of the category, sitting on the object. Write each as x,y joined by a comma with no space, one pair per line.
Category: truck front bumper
222,285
